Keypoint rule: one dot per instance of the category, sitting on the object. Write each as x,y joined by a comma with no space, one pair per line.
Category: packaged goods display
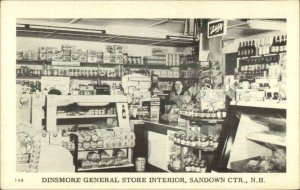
264,77
102,159
190,163
196,139
109,138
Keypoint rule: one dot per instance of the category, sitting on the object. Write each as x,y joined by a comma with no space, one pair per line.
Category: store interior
151,95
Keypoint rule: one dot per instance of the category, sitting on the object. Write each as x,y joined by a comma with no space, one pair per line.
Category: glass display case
253,139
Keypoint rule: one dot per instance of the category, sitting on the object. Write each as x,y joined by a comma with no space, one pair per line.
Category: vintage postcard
150,95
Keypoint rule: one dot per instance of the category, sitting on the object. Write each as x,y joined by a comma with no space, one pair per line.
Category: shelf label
216,28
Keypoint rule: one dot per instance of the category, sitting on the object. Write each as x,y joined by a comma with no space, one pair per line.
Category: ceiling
152,31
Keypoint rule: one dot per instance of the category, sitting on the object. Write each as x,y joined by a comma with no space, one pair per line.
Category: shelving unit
84,116
200,150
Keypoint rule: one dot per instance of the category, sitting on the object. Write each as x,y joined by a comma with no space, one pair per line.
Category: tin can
140,164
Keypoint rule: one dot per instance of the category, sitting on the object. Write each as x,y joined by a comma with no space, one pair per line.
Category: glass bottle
285,42
253,52
273,47
242,50
281,47
239,49
277,44
260,48
123,112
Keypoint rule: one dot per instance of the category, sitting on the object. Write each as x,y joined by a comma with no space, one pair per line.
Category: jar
176,164
183,141
197,168
219,114
193,141
187,141
214,114
202,166
224,114
187,168
192,167
140,164
215,142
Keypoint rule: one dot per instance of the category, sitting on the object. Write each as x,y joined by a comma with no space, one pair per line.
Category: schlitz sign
216,28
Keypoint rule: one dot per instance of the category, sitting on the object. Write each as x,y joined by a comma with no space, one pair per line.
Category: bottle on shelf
246,49
285,42
202,166
239,49
242,50
267,46
260,48
277,47
281,46
273,46
250,50
253,49
123,112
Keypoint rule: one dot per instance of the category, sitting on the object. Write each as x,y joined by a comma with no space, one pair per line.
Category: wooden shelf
84,116
32,62
107,167
71,77
174,79
96,77
259,104
202,119
205,149
95,149
258,56
29,78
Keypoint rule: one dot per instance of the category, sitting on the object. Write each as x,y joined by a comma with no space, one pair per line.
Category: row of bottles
263,46
257,65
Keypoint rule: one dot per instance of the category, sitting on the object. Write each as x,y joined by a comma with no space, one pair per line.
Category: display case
253,139
95,129
193,149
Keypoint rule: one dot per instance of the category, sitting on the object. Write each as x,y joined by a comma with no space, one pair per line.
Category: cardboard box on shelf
170,74
75,56
163,73
51,51
106,58
92,56
99,56
82,55
42,49
33,55
176,74
19,55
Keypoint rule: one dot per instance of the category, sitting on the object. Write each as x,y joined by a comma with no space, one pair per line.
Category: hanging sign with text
216,28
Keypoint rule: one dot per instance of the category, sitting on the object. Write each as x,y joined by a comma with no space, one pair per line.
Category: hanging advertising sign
216,28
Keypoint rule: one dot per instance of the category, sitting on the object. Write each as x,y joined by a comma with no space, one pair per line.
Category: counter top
157,126
177,126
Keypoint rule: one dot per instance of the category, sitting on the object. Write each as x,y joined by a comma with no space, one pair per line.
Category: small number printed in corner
19,180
